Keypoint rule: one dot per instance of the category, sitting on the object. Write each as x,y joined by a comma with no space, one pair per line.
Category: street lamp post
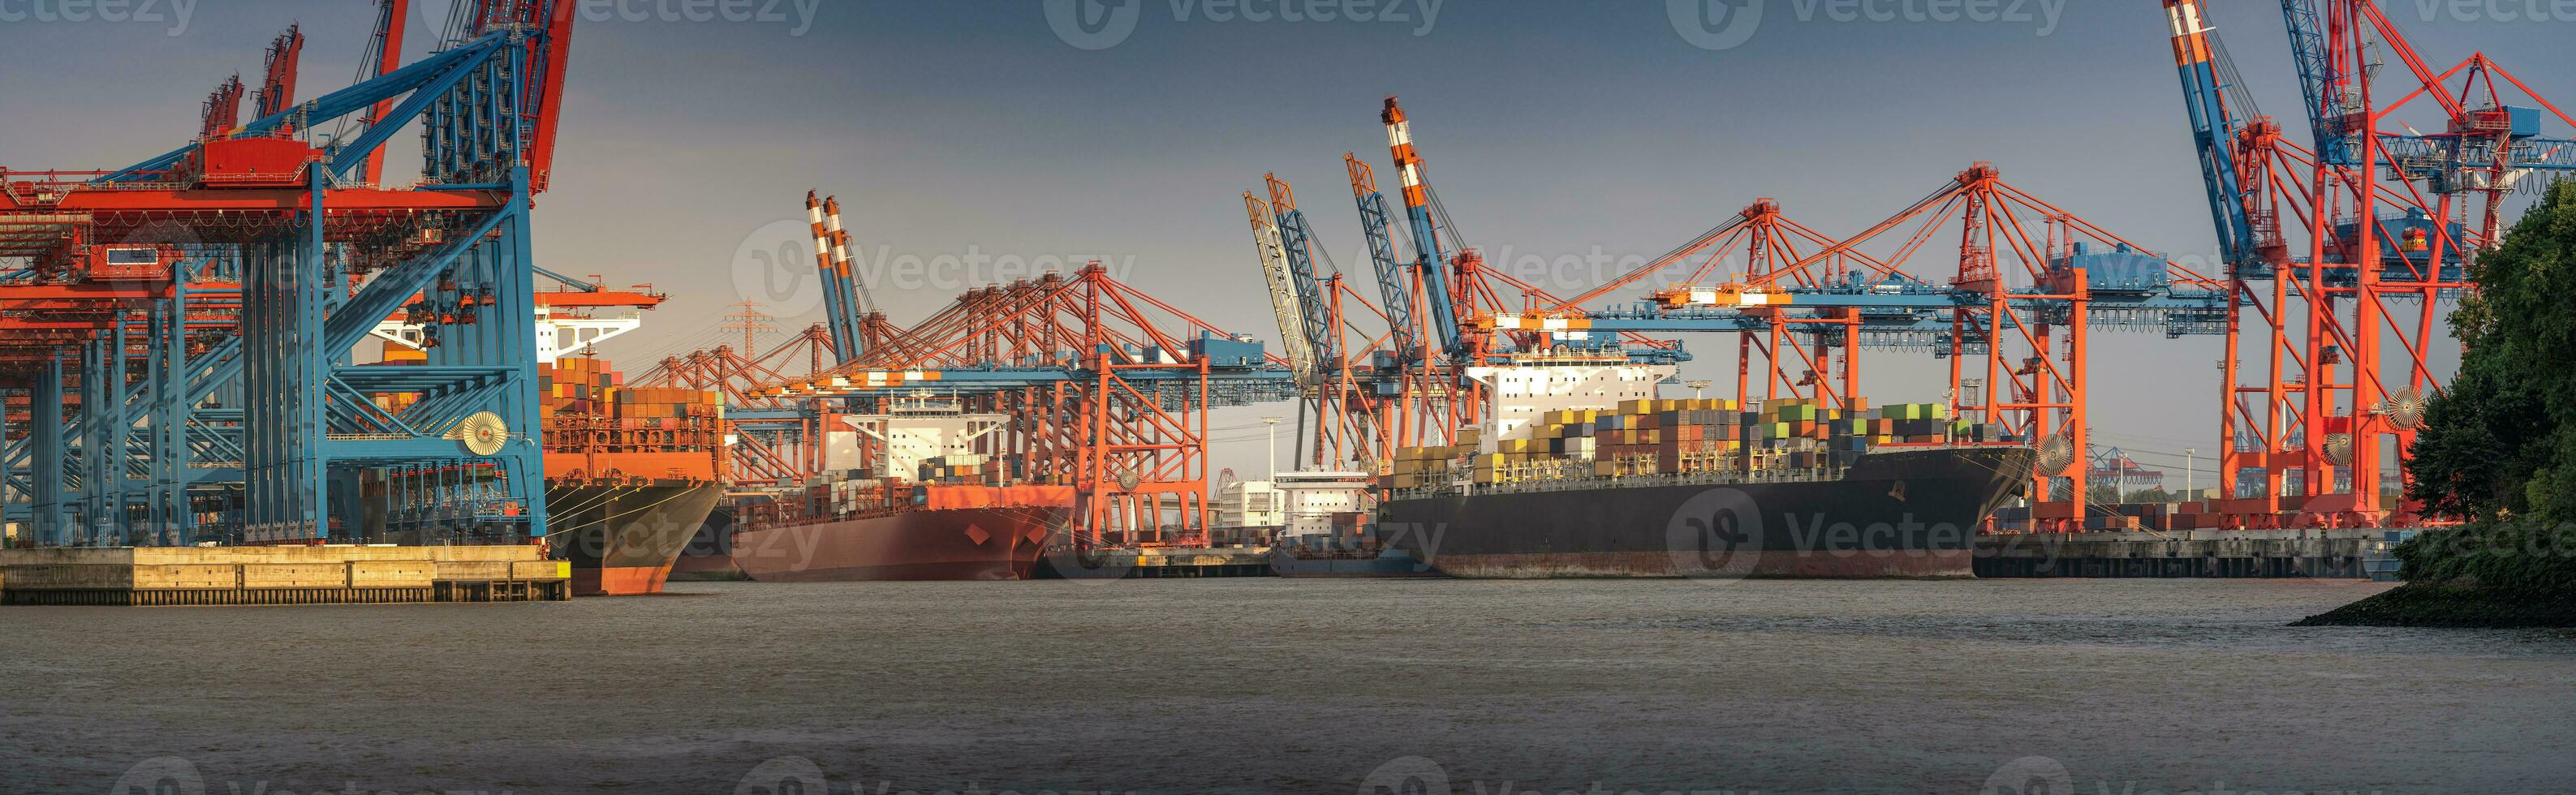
1270,444
2186,471
1697,385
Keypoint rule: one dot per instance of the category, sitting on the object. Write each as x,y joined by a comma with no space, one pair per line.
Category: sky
1553,131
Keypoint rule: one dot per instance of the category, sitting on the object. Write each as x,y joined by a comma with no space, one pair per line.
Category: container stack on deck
1688,436
970,469
658,432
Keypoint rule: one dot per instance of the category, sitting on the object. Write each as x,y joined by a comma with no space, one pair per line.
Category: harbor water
1267,685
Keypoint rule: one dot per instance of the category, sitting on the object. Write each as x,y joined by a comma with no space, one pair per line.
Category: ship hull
709,554
931,544
621,539
1896,514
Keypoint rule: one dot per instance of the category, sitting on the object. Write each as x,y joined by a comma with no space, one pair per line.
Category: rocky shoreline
2453,604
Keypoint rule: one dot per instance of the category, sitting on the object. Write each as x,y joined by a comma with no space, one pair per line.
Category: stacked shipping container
597,426
1667,437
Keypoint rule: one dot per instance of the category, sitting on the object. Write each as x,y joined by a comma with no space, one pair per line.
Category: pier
2342,554
280,575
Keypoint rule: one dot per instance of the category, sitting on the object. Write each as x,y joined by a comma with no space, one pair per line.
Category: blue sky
1551,129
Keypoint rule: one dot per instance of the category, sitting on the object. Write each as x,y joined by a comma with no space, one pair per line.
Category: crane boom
841,308
386,48
2211,127
1283,288
1392,286
1297,241
2317,80
277,88
223,109
1429,260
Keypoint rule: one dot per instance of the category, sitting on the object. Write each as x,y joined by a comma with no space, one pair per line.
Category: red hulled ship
915,494
909,532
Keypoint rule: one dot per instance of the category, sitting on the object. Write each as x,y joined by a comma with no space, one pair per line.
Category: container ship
1645,487
631,474
916,493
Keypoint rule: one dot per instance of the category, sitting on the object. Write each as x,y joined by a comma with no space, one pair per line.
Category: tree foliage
2501,442
2498,448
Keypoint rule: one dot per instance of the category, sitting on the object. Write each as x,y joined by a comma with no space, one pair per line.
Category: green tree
2103,494
2499,448
2502,440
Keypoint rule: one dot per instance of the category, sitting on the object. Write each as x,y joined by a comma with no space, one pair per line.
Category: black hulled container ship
631,473
1647,487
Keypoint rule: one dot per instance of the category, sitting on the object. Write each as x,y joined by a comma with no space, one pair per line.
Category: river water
2127,687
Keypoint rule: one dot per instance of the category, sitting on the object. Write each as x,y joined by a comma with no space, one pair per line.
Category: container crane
2382,214
1347,421
319,265
1104,388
